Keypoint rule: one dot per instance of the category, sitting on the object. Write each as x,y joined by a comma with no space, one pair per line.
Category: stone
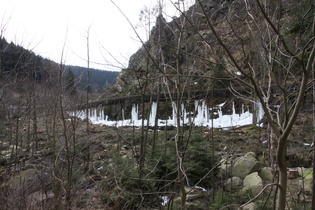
233,183
250,155
195,199
306,184
245,165
305,172
266,174
250,206
252,184
225,169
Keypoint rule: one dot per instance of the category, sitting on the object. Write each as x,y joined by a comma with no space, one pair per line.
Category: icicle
233,108
207,114
220,111
199,119
134,113
102,114
174,112
184,114
153,114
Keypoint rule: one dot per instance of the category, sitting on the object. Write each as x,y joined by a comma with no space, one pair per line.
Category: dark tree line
99,79
17,62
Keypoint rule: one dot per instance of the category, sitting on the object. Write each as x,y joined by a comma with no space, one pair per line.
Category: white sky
44,25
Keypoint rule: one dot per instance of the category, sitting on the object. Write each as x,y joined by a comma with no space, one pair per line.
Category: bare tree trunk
156,120
144,131
313,135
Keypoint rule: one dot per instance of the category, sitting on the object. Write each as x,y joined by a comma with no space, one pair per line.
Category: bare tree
285,63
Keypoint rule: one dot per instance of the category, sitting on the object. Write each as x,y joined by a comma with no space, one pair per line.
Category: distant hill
99,79
17,62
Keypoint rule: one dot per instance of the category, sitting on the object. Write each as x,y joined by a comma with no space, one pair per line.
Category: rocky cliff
177,47
186,51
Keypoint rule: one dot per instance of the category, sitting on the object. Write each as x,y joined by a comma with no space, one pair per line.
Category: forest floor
104,163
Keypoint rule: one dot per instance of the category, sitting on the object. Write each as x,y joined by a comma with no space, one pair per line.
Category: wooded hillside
261,51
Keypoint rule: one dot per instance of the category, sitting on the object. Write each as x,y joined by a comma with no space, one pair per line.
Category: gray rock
233,183
306,184
245,165
252,184
266,174
250,155
195,199
225,169
250,206
305,172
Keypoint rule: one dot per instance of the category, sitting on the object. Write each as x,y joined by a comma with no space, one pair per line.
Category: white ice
202,117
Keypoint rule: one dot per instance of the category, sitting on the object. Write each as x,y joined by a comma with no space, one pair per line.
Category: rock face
164,48
245,165
252,184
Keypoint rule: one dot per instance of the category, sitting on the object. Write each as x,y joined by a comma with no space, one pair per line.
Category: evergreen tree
70,85
219,73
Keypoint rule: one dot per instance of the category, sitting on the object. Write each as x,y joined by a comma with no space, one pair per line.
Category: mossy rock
266,174
252,184
225,168
250,206
306,173
307,185
245,165
233,183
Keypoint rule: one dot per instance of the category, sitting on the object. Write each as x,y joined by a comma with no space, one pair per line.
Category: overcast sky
45,25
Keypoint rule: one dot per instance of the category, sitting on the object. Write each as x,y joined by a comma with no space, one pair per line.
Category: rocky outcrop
172,45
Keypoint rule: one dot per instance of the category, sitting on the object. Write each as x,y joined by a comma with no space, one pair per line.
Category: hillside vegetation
19,64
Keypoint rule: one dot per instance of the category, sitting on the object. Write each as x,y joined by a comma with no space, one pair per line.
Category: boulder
250,155
194,193
266,174
245,165
196,198
225,168
250,206
307,185
233,183
252,184
305,172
